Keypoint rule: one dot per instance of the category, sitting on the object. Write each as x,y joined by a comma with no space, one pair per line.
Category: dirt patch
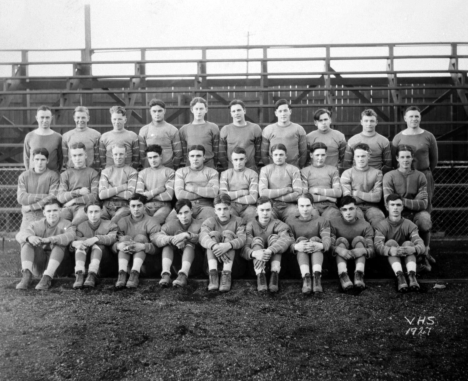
169,334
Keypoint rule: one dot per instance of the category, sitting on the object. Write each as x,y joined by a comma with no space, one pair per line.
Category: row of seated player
230,246
279,181
219,143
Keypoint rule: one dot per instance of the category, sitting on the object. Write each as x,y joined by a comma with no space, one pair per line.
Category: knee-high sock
138,259
212,261
303,261
228,266
123,261
342,266
276,263
395,262
410,261
187,259
27,257
96,256
56,257
360,263
167,259
317,260
80,259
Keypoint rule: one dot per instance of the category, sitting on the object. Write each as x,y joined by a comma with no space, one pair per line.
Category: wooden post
264,111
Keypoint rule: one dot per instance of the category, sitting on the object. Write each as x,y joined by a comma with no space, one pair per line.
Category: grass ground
170,334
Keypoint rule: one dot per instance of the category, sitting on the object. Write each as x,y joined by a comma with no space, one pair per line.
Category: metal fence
450,212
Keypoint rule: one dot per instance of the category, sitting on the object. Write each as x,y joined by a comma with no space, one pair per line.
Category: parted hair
279,146
94,203
322,111
348,199
222,198
81,109
413,108
52,201
307,196
263,200
156,148
405,147
41,151
196,147
118,110
139,197
281,102
393,197
78,145
235,102
363,146
119,145
156,102
318,145
239,150
368,112
181,203
196,100
44,108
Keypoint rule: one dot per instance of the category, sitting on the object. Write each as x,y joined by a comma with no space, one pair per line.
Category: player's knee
300,239
407,243
391,243
228,235
216,236
358,240
125,238
315,239
141,238
258,242
423,221
342,242
272,239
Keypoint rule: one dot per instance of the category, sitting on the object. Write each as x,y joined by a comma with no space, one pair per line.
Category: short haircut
413,108
118,110
393,197
307,196
196,147
78,145
318,145
156,148
181,203
368,112
263,200
348,199
119,145
222,198
94,203
156,102
239,151
363,146
196,100
281,102
279,146
404,147
52,201
44,108
322,111
235,102
40,151
138,197
81,109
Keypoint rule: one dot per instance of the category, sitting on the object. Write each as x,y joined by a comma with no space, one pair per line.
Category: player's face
324,122
223,212
413,119
264,212
349,212
199,110
238,114
154,159
78,157
137,208
40,163
81,119
283,113
94,213
157,113
44,118
118,154
405,158
395,208
196,159
185,215
118,121
278,156
368,124
305,207
318,157
361,158
52,213
238,161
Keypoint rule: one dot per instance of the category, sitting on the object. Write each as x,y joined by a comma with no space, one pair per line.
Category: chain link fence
450,204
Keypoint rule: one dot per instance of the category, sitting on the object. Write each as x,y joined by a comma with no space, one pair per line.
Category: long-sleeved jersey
60,234
339,227
35,189
335,142
53,144
90,138
426,154
366,182
275,178
174,227
326,178
128,138
241,186
255,229
151,182
105,231
380,151
207,135
412,186
167,136
72,180
112,178
234,224
145,225
293,136
206,179
314,227
400,231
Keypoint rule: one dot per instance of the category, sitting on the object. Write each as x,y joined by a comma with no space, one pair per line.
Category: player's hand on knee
221,248
84,191
393,252
35,241
302,246
121,246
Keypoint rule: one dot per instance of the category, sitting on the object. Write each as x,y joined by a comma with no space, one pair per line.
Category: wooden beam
121,102
393,82
329,95
459,79
446,94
